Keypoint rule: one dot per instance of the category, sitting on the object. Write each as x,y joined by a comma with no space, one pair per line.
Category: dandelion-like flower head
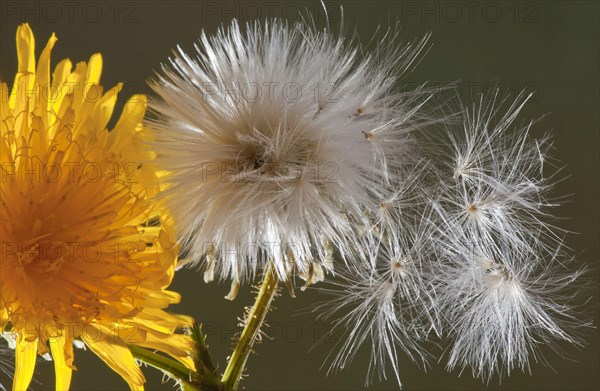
85,254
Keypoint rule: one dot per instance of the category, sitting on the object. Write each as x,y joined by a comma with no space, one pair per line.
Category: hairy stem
208,378
172,368
256,316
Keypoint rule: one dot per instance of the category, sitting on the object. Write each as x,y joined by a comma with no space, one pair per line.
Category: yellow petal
116,355
76,83
178,346
25,355
60,90
20,96
94,70
26,59
162,322
129,122
42,79
104,109
4,107
42,74
25,49
62,352
61,72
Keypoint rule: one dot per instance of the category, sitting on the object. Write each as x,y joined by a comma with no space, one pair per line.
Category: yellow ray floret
85,253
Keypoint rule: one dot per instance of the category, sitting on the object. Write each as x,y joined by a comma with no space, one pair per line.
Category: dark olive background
548,46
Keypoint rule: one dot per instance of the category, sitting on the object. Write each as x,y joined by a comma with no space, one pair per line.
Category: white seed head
275,138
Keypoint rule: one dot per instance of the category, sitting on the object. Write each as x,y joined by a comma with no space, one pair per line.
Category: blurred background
548,46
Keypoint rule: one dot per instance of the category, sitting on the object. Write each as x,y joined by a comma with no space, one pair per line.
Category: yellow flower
85,254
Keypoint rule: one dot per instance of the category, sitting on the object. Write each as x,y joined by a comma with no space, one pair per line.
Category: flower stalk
168,366
233,373
205,378
208,377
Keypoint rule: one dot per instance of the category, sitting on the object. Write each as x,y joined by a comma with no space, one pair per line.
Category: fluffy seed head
275,135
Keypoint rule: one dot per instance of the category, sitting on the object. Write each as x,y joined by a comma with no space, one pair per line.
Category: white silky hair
499,186
479,264
388,303
259,176
500,314
7,346
505,282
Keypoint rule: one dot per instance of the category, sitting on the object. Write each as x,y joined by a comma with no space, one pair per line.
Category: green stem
208,378
256,316
173,368
185,386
